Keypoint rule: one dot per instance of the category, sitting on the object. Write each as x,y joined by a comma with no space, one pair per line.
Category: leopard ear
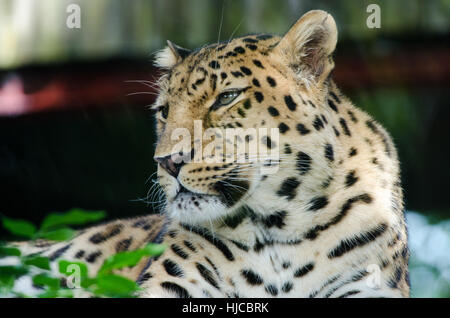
308,45
171,55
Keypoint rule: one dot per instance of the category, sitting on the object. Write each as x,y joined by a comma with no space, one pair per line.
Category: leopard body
326,222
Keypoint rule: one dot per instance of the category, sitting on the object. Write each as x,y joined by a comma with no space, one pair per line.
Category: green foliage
46,280
63,234
9,251
125,259
55,293
12,271
38,261
115,286
55,227
64,268
106,283
19,227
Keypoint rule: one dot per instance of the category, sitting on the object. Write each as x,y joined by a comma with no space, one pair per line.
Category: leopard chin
196,208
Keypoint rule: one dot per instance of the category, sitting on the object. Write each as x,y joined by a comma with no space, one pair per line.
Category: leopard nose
172,164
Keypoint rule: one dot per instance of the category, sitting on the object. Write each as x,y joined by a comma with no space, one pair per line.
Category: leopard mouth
229,192
194,207
182,190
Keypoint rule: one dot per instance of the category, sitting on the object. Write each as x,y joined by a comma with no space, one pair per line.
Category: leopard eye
225,98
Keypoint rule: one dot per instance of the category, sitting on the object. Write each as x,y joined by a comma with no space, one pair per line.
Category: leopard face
268,91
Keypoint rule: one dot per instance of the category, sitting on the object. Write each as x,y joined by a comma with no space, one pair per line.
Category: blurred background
75,129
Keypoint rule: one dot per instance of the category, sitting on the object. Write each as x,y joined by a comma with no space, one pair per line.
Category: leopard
324,218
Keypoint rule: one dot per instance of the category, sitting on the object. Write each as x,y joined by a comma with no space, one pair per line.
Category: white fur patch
165,58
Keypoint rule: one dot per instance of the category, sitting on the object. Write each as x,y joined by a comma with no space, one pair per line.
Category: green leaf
87,282
6,284
154,249
66,293
38,261
130,258
115,286
72,217
12,271
72,268
19,227
63,234
9,251
45,280
61,293
49,294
